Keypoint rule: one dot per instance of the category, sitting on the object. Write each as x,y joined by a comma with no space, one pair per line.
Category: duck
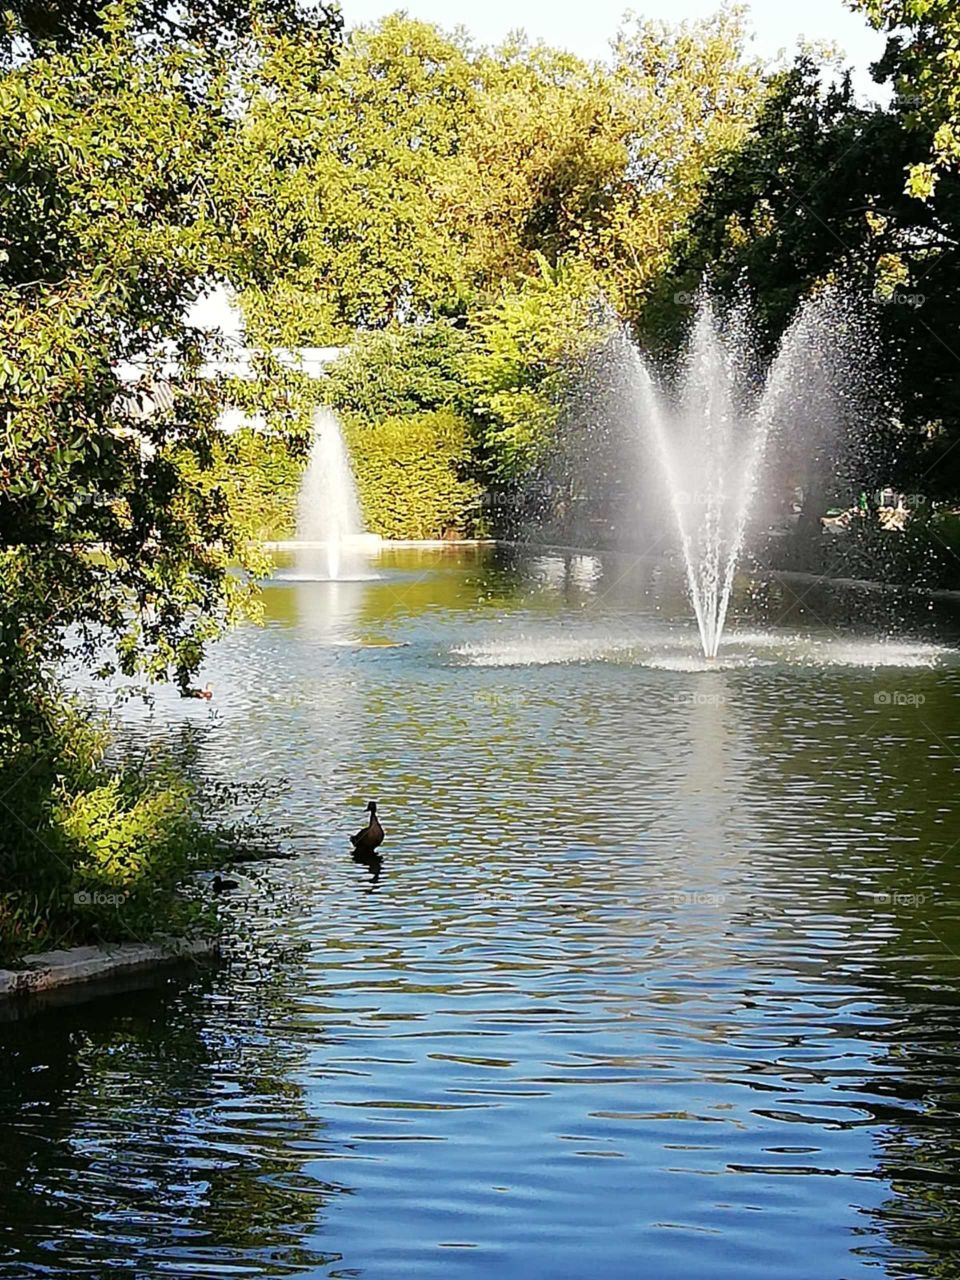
221,884
370,837
206,693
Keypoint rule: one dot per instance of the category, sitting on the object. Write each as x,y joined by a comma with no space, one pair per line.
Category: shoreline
859,584
75,966
294,544
761,572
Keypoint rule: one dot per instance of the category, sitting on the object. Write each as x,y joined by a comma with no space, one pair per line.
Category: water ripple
659,974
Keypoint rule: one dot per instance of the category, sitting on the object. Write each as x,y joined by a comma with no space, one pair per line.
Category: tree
401,371
108,230
814,195
543,150
339,229
116,541
688,97
565,158
412,178
209,25
922,60
530,343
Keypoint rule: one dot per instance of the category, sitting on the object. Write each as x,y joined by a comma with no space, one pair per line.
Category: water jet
331,536
710,429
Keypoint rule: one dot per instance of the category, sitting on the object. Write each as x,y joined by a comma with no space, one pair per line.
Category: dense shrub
261,476
411,476
433,409
530,348
412,473
92,851
926,553
402,371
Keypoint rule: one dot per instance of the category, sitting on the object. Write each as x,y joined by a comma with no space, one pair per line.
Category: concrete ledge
432,543
859,584
370,542
51,969
291,544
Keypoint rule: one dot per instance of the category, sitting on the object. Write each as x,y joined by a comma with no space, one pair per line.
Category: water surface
659,974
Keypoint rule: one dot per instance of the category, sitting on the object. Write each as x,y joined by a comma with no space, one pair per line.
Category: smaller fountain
330,529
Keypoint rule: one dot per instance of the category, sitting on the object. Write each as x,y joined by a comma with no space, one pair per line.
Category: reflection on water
658,975
161,1133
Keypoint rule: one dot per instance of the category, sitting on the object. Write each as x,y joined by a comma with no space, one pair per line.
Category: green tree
338,228
412,178
563,158
108,231
815,195
689,96
543,153
210,25
403,370
922,60
783,206
530,343
115,547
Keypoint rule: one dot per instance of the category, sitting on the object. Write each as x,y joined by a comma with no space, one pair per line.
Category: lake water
659,975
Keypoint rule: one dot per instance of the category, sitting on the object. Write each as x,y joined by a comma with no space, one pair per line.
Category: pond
659,975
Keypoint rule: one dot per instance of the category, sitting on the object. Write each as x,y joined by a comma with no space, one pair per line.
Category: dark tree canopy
208,23
816,193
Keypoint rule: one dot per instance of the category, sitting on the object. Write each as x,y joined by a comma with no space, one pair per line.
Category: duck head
372,807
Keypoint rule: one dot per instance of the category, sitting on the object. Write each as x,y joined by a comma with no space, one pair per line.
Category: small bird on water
370,837
206,693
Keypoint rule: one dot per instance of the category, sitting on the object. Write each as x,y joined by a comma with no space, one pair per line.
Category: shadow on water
159,1132
916,1114
373,862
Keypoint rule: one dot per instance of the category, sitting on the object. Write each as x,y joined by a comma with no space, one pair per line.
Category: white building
216,311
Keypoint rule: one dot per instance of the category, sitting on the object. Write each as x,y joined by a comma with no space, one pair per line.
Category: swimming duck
369,837
206,693
222,885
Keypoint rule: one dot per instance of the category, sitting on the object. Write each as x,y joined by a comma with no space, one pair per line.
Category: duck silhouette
206,693
222,885
368,838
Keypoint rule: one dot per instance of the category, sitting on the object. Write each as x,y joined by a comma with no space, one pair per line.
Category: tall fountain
330,529
711,430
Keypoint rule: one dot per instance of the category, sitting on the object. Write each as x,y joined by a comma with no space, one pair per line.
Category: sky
586,28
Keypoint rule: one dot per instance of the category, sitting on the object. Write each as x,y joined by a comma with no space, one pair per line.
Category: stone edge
51,969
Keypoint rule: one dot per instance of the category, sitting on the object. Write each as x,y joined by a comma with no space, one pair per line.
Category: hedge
411,475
